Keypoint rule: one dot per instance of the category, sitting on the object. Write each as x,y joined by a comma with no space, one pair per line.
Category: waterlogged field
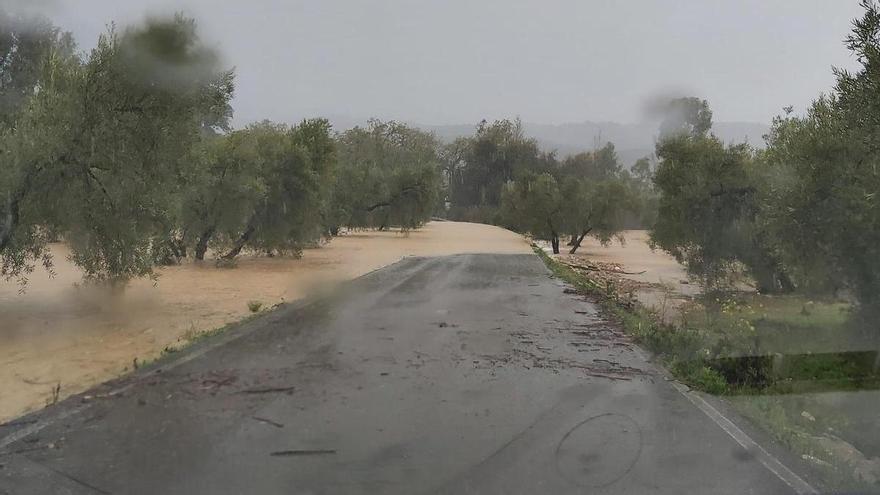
62,333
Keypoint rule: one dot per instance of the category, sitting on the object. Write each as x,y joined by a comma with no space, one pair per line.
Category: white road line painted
773,464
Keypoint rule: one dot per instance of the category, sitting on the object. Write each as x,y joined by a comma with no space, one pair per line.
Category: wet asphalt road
462,374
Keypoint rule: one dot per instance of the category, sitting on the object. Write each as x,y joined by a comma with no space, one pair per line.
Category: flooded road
459,374
60,333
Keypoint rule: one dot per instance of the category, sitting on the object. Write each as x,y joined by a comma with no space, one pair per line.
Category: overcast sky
548,61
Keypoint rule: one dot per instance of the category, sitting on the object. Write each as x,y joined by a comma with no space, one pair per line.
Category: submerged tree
545,208
109,138
388,174
37,62
222,187
144,92
533,204
595,208
497,153
285,205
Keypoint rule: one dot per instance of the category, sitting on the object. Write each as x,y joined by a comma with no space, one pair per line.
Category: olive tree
37,66
595,208
25,44
533,204
99,152
707,212
388,174
498,152
822,195
292,176
222,186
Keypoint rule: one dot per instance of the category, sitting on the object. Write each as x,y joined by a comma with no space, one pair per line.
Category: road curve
461,374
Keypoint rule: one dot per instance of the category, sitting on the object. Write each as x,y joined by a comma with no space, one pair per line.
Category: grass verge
679,348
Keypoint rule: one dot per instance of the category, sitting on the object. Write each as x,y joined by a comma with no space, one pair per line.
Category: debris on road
269,390
268,421
292,453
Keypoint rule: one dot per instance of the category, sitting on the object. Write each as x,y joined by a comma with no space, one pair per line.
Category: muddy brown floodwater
61,332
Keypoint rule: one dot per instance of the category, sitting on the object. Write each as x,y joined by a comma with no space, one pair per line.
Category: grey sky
548,61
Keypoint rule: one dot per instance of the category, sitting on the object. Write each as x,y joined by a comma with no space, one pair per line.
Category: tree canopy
98,151
388,174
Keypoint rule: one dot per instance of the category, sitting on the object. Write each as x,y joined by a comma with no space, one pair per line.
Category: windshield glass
439,246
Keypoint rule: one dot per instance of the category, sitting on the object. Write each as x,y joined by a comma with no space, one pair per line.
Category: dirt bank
59,332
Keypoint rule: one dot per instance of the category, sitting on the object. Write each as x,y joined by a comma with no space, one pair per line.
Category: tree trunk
240,243
785,283
202,244
573,240
177,250
578,241
9,223
554,242
13,205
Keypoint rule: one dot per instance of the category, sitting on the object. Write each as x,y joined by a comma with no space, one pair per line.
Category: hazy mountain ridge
632,141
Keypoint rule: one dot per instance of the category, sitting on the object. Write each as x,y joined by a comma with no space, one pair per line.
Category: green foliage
701,377
36,58
141,107
596,208
820,203
111,144
586,195
707,210
640,179
601,164
704,192
480,166
822,208
30,179
388,175
25,43
533,204
222,187
802,214
293,171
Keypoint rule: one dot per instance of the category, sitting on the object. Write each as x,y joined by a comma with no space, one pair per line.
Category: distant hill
632,141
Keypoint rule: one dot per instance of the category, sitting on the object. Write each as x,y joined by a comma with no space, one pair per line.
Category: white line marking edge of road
770,462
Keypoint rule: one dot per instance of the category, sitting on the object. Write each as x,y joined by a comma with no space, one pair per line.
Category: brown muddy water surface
659,282
60,332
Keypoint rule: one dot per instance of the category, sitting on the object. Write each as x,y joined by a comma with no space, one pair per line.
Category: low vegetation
736,345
